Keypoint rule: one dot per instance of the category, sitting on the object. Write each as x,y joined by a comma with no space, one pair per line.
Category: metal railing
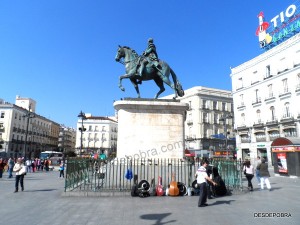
118,175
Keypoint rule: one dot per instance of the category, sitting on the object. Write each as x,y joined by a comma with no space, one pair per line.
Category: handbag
22,170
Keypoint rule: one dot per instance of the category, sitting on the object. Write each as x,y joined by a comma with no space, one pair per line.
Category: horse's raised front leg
120,80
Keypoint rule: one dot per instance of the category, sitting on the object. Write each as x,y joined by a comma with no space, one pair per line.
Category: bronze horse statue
159,74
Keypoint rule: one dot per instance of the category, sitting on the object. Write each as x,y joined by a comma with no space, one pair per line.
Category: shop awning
287,144
189,153
286,141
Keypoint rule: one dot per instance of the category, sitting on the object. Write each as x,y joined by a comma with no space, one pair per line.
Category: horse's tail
178,86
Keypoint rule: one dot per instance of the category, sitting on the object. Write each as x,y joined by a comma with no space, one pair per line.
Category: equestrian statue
147,67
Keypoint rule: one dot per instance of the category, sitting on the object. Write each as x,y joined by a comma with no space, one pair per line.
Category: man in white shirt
202,179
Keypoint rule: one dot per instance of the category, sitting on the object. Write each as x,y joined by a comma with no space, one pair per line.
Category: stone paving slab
44,202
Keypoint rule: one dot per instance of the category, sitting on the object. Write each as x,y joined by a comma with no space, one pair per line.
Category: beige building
67,139
23,132
209,123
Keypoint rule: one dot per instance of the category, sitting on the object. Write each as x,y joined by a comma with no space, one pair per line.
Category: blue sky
61,52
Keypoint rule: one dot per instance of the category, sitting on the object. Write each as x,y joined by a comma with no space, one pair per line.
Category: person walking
2,166
249,173
28,165
11,164
257,173
61,170
33,165
46,164
38,164
202,179
42,164
264,174
20,170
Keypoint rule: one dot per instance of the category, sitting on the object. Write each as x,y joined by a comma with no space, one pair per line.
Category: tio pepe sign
282,26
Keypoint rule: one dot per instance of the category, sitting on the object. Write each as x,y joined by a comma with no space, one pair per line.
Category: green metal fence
118,175
231,172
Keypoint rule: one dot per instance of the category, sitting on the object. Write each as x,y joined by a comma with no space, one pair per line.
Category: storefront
286,156
245,153
262,151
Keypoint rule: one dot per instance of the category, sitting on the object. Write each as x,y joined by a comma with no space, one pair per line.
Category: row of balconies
286,118
103,130
270,97
268,75
205,107
15,141
264,138
205,121
22,131
97,139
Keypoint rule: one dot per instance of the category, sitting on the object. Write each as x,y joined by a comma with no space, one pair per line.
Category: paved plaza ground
43,202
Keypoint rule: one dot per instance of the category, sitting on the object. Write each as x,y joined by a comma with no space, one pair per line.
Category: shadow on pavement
222,202
31,178
42,190
158,218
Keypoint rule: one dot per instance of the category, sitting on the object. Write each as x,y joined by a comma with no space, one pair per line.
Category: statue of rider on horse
149,56
147,67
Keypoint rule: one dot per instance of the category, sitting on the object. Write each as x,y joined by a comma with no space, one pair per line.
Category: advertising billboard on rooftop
281,27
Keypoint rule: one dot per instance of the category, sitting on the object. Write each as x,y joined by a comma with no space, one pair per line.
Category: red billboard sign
282,163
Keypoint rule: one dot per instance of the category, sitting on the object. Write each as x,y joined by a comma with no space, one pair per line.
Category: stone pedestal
149,128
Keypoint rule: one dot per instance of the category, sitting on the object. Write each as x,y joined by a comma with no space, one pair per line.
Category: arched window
258,116
272,109
243,119
286,113
285,85
270,89
241,99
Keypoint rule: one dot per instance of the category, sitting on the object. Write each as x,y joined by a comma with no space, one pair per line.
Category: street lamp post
224,119
82,129
29,115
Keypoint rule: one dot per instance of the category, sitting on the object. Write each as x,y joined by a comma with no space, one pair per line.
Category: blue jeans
257,173
10,171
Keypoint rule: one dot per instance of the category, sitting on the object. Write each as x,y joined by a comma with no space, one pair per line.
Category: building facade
209,122
23,133
266,94
96,134
67,139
